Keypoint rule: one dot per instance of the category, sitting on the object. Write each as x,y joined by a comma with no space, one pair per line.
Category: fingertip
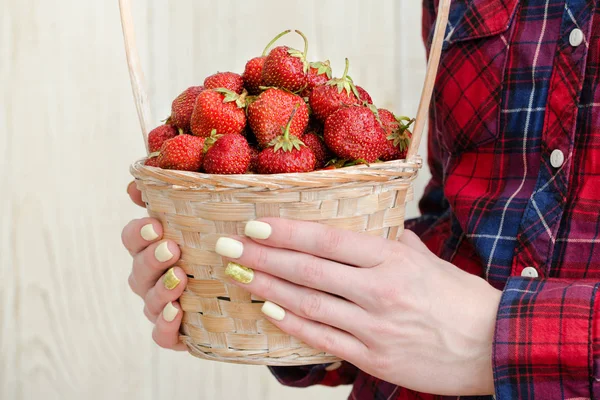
135,194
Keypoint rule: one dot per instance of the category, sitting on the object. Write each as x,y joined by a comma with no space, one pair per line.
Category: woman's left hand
392,308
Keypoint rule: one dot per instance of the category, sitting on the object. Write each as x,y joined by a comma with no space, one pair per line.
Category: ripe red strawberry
184,152
364,96
397,134
328,98
285,154
159,135
226,80
254,153
353,133
230,154
218,109
286,68
253,72
317,146
271,110
318,74
183,107
152,161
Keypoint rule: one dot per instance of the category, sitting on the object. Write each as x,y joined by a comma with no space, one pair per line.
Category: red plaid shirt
514,150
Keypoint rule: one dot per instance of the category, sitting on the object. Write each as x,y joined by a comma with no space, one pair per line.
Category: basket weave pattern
222,321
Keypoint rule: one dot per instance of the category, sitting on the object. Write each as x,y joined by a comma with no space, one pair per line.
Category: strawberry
316,144
230,154
253,72
218,109
328,98
183,107
159,135
363,95
271,110
318,75
353,133
225,80
286,154
397,133
286,68
184,152
152,160
254,153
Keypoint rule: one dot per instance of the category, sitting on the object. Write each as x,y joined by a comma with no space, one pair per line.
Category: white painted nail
162,252
258,230
148,232
273,310
170,312
229,248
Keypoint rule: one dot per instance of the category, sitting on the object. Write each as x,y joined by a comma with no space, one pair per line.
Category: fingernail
239,272
272,310
148,232
258,230
170,312
162,252
229,248
170,280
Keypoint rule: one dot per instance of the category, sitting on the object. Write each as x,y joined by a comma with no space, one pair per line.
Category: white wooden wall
69,327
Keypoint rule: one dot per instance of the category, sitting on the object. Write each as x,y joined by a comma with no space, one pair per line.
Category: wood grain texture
69,327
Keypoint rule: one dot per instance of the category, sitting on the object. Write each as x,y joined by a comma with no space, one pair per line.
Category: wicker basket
222,321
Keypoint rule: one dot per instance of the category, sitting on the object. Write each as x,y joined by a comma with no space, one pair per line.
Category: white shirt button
557,158
529,272
576,37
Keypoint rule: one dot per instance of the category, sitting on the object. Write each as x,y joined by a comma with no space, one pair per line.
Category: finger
302,269
166,330
151,316
360,250
168,288
410,239
152,262
317,335
139,233
304,302
135,194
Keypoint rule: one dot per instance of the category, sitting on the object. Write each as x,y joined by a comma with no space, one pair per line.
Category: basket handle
136,74
430,76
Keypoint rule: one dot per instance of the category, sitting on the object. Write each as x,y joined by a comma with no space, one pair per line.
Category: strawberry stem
272,42
346,69
305,42
286,133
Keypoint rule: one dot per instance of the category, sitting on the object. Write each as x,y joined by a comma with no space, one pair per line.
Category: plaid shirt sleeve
546,341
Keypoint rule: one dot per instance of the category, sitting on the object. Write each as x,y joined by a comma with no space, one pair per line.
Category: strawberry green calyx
285,141
272,42
401,136
300,55
154,154
322,68
345,82
212,139
240,99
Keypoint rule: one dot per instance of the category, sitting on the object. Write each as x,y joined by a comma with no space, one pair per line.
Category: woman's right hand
152,277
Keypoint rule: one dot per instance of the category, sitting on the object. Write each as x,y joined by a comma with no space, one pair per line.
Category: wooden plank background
69,327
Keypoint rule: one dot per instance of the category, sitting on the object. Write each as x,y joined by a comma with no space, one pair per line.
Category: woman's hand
152,278
393,309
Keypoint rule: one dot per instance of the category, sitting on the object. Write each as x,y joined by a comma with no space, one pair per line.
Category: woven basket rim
379,172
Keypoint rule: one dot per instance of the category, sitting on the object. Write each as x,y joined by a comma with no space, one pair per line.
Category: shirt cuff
304,376
545,340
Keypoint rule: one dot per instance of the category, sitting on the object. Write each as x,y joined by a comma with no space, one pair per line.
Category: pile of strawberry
283,114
